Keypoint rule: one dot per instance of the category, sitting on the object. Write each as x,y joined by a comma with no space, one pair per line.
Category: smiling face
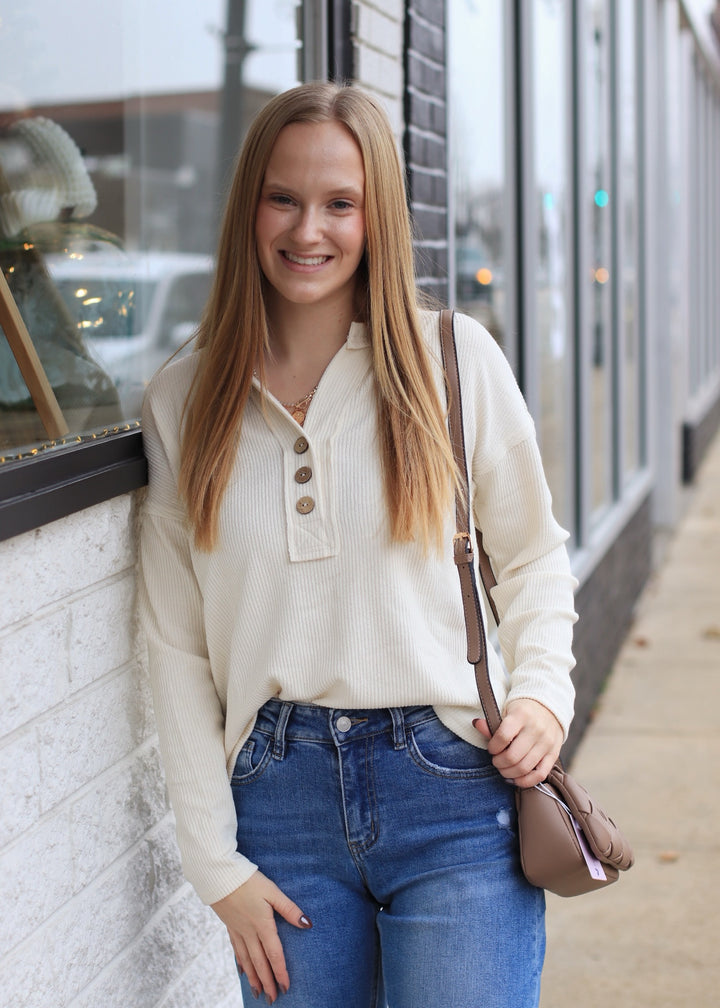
310,219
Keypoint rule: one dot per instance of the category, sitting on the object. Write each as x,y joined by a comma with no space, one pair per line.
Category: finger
528,770
271,965
530,780
504,737
246,965
290,911
482,726
276,961
539,774
520,758
261,966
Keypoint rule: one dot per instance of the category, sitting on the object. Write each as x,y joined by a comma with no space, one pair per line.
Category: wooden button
301,445
305,505
303,474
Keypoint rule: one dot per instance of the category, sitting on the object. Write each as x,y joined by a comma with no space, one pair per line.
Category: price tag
594,866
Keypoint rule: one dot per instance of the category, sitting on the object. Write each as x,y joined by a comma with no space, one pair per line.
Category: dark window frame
340,41
36,491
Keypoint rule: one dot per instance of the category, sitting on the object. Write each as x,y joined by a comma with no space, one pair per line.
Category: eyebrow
347,190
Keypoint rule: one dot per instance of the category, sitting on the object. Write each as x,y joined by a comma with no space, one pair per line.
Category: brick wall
399,53
377,54
94,908
426,140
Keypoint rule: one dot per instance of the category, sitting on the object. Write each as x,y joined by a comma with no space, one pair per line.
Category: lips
306,260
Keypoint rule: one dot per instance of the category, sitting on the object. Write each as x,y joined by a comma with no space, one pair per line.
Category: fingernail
269,999
255,993
283,988
304,922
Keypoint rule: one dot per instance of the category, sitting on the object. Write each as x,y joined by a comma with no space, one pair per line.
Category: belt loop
286,710
398,720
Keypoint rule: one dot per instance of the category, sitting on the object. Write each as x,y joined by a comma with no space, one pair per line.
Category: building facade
562,164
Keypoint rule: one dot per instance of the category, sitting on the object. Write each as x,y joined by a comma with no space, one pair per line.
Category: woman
319,723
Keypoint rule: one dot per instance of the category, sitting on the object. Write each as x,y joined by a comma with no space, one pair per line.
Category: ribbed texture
322,607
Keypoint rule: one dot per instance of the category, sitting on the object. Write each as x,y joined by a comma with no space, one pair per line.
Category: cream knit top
305,597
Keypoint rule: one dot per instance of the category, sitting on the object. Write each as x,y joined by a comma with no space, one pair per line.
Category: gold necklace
298,409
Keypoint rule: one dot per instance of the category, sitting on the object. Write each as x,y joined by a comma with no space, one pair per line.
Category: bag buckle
462,548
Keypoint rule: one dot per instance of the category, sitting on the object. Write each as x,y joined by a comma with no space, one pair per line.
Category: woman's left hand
527,743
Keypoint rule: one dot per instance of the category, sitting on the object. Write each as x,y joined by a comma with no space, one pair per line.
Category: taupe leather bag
568,845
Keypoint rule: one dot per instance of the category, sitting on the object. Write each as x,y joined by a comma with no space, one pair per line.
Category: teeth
309,261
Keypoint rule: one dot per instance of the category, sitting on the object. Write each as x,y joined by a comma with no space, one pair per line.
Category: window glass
478,175
629,232
118,123
553,214
596,196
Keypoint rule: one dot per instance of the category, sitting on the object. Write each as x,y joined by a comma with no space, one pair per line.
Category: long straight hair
417,460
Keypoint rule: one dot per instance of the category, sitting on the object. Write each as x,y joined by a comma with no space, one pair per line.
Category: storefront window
629,231
553,215
478,171
118,123
596,199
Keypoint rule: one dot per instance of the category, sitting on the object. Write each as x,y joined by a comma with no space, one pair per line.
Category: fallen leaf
668,856
711,633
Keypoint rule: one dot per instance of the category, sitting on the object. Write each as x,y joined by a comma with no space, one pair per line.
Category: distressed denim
397,839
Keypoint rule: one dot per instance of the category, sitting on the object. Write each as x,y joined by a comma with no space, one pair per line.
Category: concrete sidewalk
651,757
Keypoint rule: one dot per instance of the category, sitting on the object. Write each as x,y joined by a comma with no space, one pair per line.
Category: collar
357,336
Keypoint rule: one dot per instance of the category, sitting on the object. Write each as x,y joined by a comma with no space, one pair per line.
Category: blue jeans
397,839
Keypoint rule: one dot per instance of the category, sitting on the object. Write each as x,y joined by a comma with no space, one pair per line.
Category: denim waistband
285,720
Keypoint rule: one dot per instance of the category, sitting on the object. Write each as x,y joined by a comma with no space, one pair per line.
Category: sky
54,51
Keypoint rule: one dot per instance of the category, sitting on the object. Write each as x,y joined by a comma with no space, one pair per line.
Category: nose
308,225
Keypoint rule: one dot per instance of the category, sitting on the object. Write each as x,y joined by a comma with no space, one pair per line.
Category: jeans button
343,724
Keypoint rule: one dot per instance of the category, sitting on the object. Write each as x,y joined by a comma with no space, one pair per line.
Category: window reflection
44,190
597,195
134,311
629,233
117,126
550,93
477,108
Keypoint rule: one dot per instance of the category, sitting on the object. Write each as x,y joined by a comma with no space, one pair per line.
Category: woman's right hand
249,915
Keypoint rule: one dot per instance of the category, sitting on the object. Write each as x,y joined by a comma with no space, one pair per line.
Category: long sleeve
189,713
513,508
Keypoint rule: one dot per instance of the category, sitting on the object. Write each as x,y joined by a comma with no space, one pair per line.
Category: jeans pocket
252,759
439,751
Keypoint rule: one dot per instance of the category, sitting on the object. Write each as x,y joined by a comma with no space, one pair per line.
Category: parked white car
133,310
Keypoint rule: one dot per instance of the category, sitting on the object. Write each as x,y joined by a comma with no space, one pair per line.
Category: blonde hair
417,459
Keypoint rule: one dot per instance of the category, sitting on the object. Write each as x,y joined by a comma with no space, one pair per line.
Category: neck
303,341
308,333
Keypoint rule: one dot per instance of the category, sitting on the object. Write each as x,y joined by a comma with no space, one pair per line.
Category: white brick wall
94,909
378,31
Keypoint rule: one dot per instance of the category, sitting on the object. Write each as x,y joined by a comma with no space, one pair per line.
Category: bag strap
462,543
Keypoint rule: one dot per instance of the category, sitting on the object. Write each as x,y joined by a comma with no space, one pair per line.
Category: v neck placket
307,451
